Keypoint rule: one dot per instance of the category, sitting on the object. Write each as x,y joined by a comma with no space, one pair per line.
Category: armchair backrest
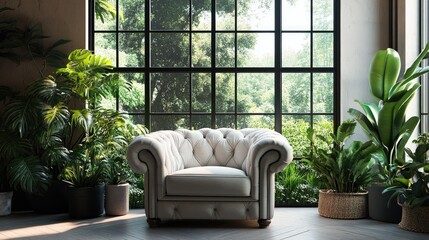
214,147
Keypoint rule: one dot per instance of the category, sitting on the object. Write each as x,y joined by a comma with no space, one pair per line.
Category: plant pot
5,203
343,205
415,219
117,199
53,201
86,202
379,209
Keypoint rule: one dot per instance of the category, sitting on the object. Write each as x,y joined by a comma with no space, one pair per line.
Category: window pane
131,49
170,92
105,45
201,92
201,50
225,92
170,50
255,15
137,119
323,92
255,49
169,122
132,15
323,50
294,128
225,14
255,92
296,50
132,99
225,49
296,15
201,15
200,121
225,121
323,125
255,121
170,14
296,93
323,18
105,22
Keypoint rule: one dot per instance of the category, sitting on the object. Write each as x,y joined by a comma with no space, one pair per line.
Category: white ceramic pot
5,203
117,199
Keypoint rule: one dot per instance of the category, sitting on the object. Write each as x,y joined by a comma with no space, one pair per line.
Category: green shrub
297,184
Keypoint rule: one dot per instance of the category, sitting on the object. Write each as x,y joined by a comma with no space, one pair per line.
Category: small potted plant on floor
344,171
384,122
412,187
117,187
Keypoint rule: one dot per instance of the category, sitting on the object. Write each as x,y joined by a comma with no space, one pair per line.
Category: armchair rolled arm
162,146
264,142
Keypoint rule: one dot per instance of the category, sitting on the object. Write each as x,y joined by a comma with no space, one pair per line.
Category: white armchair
221,174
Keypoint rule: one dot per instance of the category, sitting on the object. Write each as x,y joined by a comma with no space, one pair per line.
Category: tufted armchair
221,174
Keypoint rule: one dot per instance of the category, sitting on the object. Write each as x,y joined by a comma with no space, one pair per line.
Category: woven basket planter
415,219
343,205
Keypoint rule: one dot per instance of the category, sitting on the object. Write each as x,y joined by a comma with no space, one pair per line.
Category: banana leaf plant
412,186
384,121
343,169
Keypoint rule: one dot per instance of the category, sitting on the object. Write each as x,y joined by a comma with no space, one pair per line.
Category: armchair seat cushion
212,181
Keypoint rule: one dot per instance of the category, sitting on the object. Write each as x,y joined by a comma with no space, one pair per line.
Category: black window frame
277,69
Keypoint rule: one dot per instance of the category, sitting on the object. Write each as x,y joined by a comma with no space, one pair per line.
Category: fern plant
344,169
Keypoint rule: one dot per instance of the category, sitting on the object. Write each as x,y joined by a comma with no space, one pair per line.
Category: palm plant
385,122
342,169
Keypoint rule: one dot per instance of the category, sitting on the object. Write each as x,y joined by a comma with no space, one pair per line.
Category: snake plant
384,121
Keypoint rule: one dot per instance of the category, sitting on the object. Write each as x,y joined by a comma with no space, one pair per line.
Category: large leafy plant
104,133
342,169
384,121
413,184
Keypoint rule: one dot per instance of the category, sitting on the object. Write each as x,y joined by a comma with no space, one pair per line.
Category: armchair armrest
162,145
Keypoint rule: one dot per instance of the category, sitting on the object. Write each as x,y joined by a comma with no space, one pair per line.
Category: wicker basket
415,219
343,205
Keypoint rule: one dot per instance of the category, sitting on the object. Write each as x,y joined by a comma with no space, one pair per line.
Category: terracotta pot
5,203
415,219
117,199
343,205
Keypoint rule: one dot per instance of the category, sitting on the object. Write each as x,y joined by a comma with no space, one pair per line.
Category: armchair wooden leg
263,223
154,222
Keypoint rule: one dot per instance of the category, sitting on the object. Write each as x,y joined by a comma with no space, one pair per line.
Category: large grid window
225,63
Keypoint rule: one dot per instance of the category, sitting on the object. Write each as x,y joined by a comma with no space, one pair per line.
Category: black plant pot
86,202
53,201
379,209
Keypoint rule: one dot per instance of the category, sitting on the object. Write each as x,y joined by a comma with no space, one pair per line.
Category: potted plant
385,123
117,187
344,171
30,150
412,187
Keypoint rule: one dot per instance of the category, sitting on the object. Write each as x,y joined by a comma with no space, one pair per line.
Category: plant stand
5,203
415,219
343,205
117,199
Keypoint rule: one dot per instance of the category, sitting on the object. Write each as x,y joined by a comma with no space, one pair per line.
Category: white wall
364,30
